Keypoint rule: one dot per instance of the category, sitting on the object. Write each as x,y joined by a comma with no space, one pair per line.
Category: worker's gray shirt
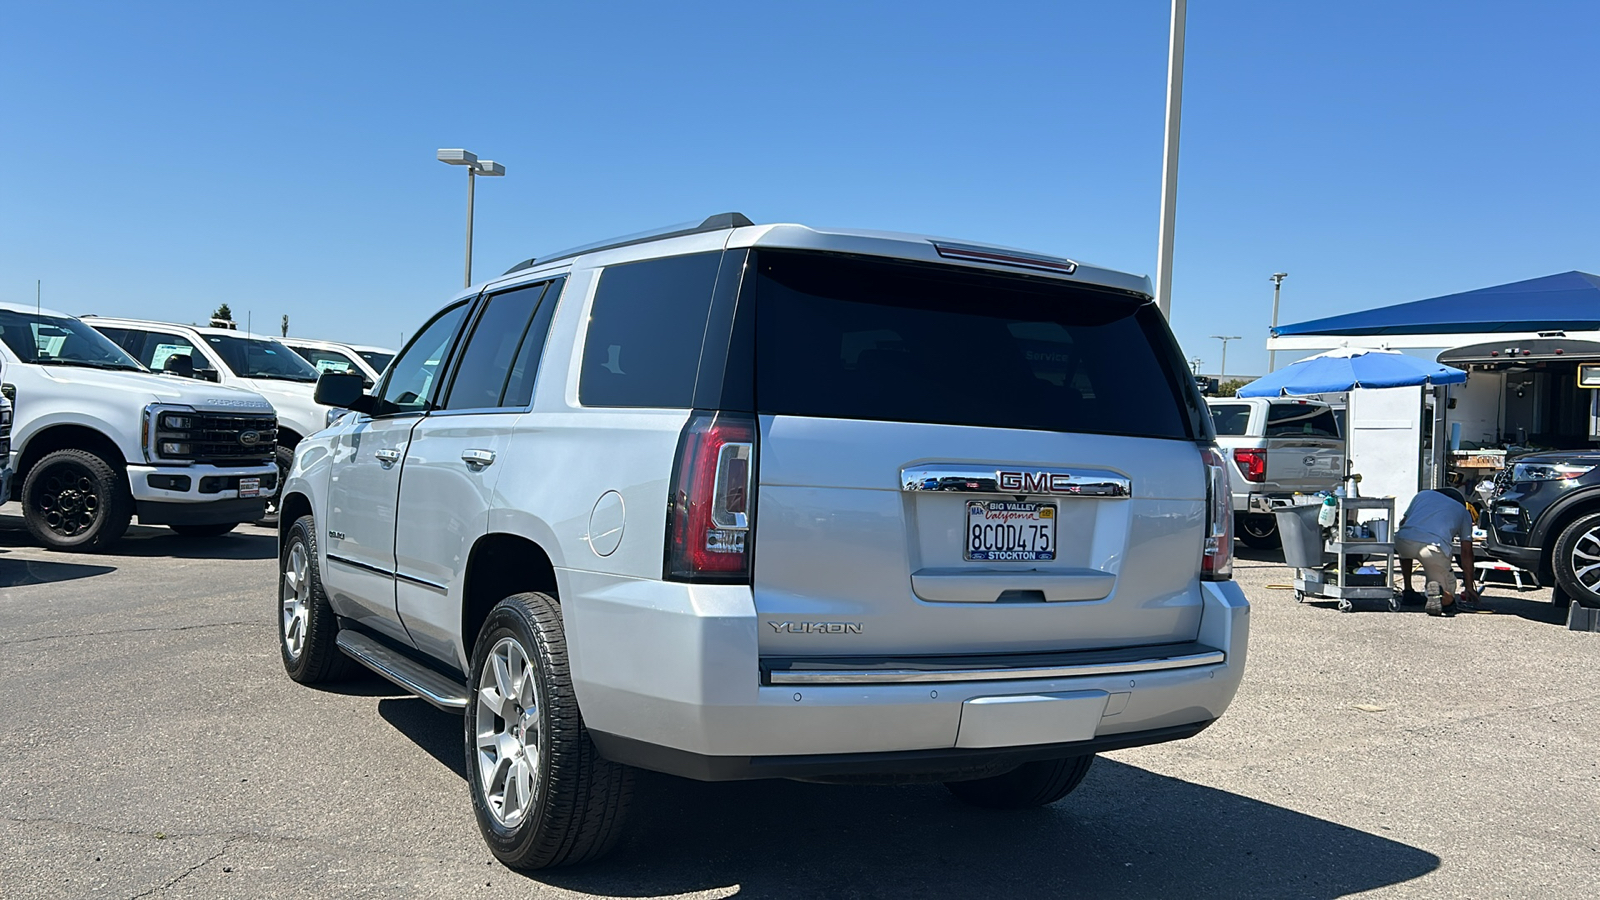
1435,518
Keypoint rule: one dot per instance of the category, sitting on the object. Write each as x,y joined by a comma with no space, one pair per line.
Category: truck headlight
176,422
1547,471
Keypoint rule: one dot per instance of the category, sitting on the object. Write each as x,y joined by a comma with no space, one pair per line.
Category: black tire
216,529
1258,530
1581,538
75,501
576,802
284,457
306,642
1028,785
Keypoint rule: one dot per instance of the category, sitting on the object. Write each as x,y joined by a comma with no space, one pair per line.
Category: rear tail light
1216,563
710,514
1252,464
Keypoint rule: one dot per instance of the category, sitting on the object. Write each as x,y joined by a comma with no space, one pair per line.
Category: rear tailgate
1304,450
953,462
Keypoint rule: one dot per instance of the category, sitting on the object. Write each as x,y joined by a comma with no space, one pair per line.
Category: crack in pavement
187,872
61,637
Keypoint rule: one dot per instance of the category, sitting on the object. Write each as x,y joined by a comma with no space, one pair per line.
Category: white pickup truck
98,439
1282,446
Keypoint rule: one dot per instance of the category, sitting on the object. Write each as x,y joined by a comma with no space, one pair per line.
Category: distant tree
223,313
1230,388
285,328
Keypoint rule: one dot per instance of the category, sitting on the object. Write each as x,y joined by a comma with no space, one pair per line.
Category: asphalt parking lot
153,747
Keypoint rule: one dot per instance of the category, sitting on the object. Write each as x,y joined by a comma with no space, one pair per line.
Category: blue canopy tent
1566,302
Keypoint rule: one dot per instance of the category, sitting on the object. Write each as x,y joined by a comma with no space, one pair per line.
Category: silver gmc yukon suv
766,501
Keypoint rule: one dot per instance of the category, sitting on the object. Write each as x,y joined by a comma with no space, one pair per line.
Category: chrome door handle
477,460
387,458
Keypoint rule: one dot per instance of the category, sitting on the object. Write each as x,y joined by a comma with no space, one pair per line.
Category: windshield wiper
276,377
85,363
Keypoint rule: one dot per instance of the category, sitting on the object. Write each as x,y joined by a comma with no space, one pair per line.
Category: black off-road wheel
307,626
1576,560
542,795
74,500
1028,785
1258,530
213,530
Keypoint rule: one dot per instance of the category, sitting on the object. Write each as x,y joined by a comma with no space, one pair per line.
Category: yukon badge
816,627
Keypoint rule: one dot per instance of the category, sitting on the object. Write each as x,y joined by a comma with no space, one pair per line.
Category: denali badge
816,627
249,438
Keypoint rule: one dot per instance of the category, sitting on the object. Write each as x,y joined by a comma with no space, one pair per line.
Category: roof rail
718,222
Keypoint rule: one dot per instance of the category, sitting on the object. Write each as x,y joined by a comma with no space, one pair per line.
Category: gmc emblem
1038,483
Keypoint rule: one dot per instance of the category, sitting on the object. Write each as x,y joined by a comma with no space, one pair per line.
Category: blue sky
160,158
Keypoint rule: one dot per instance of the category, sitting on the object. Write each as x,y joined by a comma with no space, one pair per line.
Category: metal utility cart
1324,567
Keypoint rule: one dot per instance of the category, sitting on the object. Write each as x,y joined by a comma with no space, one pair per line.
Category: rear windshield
1294,420
1231,419
853,338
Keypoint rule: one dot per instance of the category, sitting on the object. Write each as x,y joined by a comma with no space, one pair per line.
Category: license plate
249,487
1010,531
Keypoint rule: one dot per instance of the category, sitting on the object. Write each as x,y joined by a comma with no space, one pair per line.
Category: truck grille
5,438
216,438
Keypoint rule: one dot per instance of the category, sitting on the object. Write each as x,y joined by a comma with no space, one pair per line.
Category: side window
519,387
411,378
646,331
1231,419
160,346
492,350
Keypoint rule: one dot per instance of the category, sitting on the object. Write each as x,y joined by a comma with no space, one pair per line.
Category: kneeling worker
1431,523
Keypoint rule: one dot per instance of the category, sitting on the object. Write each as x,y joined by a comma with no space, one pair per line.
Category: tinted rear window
1231,420
843,337
1294,420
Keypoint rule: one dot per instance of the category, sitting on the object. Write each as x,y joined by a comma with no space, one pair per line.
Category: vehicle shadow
24,572
1127,832
1533,607
151,542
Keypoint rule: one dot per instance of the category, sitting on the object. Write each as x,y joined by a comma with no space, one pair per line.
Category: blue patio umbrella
1348,369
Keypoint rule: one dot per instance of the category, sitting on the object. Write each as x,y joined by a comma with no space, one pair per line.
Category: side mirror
342,389
210,375
181,365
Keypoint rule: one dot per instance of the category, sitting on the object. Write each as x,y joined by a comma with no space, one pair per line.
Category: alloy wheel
67,497
1585,560
507,733
295,596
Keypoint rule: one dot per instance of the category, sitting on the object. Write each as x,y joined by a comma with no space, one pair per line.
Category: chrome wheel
295,598
67,500
507,735
1585,560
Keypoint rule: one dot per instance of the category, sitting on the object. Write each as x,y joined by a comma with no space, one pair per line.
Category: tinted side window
519,387
409,383
1231,419
849,338
491,351
645,332
1294,420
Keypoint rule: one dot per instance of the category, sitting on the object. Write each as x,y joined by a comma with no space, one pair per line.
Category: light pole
1169,160
1224,338
475,167
1277,282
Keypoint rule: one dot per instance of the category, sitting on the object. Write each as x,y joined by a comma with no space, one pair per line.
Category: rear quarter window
1231,419
646,329
861,338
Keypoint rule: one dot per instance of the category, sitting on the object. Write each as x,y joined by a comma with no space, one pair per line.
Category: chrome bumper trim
924,676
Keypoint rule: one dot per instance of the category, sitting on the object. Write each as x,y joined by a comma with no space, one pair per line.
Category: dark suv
1545,517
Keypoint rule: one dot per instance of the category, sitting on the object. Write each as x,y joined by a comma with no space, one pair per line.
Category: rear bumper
676,687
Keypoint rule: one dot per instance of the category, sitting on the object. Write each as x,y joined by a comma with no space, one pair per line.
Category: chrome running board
434,687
